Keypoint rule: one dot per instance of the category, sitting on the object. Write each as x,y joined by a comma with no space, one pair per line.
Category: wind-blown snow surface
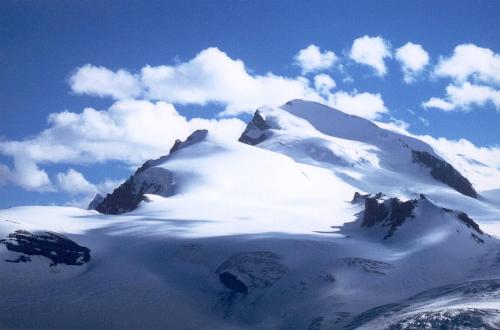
248,239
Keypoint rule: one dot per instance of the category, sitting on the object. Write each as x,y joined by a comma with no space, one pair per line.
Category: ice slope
154,273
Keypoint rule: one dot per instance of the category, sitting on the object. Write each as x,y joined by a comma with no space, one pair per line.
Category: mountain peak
148,179
422,216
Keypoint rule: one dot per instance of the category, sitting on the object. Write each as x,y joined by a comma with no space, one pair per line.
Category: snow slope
264,234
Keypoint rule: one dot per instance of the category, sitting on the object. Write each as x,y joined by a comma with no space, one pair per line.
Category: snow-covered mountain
314,219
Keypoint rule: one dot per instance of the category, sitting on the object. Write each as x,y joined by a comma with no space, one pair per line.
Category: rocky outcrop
444,172
127,196
255,132
150,178
249,271
56,247
98,199
391,212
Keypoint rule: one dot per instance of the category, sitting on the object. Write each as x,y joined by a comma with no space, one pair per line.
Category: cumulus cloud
366,105
463,97
413,59
26,174
75,183
371,51
470,62
311,59
100,81
437,103
323,83
213,77
210,77
130,131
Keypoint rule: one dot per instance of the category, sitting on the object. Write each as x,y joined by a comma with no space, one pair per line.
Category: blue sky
45,44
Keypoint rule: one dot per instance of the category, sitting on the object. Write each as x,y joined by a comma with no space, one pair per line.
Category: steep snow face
311,132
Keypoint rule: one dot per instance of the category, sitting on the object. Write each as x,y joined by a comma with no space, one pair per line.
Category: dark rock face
374,212
128,195
232,282
391,212
56,247
469,222
148,179
444,172
255,131
464,217
98,199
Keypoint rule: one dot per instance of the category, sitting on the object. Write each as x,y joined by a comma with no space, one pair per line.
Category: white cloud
471,62
438,103
100,81
323,83
82,191
130,131
311,59
75,183
26,174
210,77
371,51
413,59
213,77
366,105
465,96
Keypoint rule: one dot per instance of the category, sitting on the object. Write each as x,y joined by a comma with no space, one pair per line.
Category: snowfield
265,233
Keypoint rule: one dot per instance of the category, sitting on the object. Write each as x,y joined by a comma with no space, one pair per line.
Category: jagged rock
127,196
98,199
255,132
444,172
56,247
148,179
391,212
